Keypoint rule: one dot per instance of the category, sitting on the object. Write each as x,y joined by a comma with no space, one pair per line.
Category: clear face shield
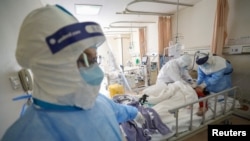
87,58
54,57
202,58
89,67
108,57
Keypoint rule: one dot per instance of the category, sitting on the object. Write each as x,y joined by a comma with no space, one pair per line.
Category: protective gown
216,75
175,70
97,124
65,107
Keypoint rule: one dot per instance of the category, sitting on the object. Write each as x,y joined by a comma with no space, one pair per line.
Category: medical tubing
177,16
125,80
116,66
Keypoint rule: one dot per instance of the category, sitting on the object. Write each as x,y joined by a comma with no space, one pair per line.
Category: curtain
164,36
220,27
142,41
165,33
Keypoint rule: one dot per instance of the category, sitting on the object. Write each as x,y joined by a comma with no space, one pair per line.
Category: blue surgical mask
93,75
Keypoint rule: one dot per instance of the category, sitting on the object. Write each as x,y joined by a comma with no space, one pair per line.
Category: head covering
184,60
213,64
49,43
202,58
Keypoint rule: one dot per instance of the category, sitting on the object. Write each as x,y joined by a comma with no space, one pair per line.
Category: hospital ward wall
195,26
239,34
12,13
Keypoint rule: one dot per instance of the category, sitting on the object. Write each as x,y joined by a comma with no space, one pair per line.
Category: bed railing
226,113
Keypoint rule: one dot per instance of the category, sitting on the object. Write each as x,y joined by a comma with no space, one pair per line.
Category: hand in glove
139,119
192,83
143,99
199,89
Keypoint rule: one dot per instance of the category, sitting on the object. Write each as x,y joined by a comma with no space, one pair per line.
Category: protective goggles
86,60
201,59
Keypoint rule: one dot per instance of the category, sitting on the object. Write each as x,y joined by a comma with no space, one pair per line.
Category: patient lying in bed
177,93
160,99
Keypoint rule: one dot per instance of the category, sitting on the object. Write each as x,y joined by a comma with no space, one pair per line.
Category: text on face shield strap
71,34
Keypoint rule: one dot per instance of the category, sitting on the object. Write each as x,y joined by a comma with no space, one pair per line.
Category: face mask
93,75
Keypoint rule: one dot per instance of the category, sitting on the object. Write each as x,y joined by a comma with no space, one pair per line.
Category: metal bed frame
226,114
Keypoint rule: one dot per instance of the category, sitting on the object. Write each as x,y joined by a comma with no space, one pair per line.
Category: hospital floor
235,120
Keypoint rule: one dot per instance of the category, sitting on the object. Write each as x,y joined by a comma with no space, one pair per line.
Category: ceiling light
84,9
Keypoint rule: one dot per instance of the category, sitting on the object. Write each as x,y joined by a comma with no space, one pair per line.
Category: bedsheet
134,131
184,121
162,98
166,97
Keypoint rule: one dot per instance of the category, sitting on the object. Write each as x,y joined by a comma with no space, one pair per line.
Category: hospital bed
177,105
221,108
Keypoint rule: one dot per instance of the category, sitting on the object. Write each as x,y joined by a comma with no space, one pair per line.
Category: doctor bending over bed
214,73
176,70
67,106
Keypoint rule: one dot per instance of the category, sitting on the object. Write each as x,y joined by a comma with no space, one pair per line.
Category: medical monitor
144,60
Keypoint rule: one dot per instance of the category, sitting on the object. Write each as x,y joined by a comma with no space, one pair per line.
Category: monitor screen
144,59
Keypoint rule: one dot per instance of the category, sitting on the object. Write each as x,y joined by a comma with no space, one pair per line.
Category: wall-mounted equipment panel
237,49
246,49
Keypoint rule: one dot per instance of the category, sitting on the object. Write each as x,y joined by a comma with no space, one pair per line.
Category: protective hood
49,43
214,64
202,58
184,61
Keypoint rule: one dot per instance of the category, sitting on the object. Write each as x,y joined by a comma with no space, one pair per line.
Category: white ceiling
125,13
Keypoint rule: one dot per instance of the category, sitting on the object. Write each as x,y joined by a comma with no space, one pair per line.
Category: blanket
153,123
164,97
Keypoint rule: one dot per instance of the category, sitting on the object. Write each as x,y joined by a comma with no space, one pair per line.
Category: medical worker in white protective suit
176,70
66,104
214,73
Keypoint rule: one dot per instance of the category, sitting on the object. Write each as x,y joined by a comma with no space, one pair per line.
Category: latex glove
139,119
199,89
143,99
203,85
194,85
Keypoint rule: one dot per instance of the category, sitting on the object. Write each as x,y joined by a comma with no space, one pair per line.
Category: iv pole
177,17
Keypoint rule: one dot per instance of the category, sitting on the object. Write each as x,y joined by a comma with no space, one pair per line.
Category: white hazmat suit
175,70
